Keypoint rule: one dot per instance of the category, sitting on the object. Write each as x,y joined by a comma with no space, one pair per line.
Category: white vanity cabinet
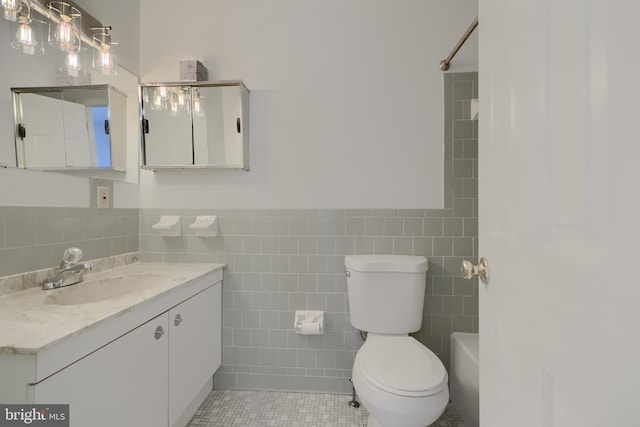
155,372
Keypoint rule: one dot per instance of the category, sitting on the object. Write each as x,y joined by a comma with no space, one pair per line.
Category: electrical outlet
104,198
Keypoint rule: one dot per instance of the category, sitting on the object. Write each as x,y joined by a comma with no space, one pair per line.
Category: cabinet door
168,135
218,138
121,384
194,350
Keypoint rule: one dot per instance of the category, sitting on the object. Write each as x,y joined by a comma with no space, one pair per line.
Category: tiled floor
241,408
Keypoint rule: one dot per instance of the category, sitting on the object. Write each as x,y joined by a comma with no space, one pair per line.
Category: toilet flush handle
347,273
482,270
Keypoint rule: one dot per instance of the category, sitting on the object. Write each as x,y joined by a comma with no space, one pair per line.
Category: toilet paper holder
309,322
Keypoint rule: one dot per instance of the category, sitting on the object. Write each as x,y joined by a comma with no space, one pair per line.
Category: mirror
73,127
195,125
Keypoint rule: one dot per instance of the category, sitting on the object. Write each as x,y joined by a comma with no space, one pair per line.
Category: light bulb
64,34
27,35
24,38
11,9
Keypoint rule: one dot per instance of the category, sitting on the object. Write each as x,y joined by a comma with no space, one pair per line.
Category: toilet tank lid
389,263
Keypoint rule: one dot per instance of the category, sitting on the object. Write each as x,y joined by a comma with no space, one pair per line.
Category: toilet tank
386,292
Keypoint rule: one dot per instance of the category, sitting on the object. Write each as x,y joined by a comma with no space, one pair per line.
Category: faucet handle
72,255
88,266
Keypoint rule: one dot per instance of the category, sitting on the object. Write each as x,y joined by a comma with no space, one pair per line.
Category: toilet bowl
400,382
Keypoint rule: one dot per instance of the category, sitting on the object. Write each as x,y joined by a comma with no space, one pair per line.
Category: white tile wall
33,238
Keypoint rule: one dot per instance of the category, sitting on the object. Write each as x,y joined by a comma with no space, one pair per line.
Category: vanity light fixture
65,25
175,100
11,9
27,33
66,33
103,57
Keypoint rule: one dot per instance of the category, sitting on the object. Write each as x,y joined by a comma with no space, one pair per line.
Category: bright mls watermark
34,415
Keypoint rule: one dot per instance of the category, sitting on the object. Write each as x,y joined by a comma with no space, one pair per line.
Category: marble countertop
29,322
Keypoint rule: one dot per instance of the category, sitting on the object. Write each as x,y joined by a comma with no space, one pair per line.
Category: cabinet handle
159,332
177,320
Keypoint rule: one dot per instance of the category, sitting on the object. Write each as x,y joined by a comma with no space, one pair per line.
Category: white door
559,208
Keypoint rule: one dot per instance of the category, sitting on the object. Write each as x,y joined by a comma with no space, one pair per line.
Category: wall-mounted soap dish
473,109
205,226
168,226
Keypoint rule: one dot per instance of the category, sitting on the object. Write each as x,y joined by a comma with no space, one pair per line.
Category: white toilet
400,382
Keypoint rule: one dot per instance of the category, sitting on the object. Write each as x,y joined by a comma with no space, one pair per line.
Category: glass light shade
11,9
64,30
27,36
159,101
197,103
104,59
173,108
163,92
198,108
71,63
157,104
183,101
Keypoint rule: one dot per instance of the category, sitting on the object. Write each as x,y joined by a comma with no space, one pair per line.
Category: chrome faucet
71,271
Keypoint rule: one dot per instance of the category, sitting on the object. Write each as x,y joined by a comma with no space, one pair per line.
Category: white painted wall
22,187
346,97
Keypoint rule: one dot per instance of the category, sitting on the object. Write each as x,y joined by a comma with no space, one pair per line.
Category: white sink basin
96,290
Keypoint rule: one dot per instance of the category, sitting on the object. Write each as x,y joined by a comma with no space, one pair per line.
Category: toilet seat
400,365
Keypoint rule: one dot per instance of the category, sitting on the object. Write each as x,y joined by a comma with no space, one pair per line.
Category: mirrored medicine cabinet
66,128
199,125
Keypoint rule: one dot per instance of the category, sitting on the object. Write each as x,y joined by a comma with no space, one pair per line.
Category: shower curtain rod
444,64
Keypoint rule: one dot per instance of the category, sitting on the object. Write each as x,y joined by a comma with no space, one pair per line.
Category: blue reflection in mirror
103,142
